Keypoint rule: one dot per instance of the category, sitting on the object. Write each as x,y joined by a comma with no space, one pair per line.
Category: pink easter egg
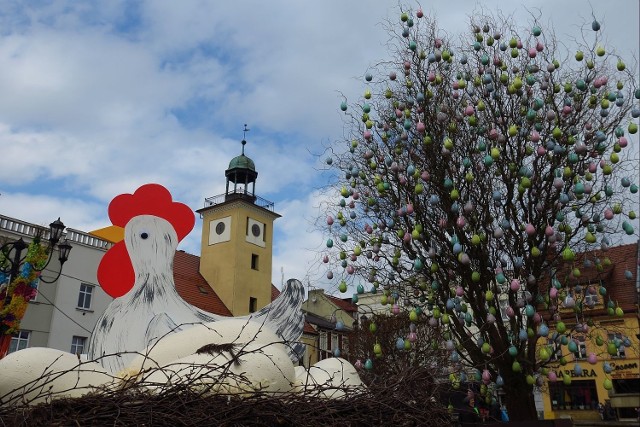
535,136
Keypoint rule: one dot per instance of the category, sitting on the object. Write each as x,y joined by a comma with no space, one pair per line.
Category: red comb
152,199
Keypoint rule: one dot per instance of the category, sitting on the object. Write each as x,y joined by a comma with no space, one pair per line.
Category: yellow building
237,239
329,322
602,366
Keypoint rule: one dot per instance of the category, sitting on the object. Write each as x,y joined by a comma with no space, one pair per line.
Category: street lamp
19,273
15,262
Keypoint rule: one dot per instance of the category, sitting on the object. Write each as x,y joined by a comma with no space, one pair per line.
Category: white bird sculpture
138,272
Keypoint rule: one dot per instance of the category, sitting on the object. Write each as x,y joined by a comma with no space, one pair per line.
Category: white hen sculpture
139,273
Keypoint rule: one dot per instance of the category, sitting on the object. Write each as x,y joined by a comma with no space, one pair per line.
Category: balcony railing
238,194
87,239
27,229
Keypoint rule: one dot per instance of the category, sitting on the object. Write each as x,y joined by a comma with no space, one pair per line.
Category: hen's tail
285,317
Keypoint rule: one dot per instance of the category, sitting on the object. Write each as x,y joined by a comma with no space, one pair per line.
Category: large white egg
329,377
37,374
184,343
255,367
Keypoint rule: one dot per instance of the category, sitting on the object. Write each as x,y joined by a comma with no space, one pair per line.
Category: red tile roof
274,292
192,287
308,329
620,289
343,305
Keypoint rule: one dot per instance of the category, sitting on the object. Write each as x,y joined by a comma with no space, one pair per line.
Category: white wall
53,317
69,320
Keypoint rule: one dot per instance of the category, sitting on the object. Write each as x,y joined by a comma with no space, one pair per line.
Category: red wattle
115,272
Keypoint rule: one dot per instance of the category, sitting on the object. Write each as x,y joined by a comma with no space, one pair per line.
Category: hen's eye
144,235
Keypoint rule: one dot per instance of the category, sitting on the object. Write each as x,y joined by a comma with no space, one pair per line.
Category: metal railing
237,194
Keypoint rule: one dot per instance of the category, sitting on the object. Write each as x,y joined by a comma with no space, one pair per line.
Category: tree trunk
519,399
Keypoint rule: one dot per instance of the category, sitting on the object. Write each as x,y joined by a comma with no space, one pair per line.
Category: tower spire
244,137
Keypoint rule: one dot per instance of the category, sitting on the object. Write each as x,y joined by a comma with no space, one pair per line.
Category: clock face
220,228
255,230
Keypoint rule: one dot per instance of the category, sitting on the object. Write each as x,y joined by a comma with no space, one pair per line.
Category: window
334,342
554,349
617,339
345,344
582,347
591,299
580,394
78,345
84,299
253,304
254,261
19,341
323,343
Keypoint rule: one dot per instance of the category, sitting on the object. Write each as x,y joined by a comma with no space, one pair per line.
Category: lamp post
15,266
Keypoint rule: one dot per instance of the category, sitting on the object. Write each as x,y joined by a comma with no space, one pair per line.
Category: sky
98,98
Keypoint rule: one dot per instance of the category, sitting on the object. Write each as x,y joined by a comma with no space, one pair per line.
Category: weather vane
244,137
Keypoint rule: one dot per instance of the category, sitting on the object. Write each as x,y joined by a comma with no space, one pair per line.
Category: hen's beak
112,233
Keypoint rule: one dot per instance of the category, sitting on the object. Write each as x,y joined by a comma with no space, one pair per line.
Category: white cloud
99,98
42,210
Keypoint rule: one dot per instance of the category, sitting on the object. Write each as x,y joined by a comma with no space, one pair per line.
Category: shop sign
622,367
624,370
586,373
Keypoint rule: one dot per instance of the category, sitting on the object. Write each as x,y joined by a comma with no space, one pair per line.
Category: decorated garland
15,295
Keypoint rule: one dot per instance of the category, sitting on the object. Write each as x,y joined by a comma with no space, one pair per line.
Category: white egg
37,374
255,367
184,343
329,377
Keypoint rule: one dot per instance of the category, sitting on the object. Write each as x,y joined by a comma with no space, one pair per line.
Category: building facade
331,321
597,375
64,312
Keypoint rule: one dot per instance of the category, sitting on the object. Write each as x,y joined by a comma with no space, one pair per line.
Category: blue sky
98,98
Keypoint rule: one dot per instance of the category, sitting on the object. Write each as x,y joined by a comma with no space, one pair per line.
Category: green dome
242,162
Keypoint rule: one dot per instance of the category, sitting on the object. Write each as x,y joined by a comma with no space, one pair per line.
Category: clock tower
237,239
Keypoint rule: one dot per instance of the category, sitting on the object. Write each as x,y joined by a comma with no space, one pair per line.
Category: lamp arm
51,250
52,280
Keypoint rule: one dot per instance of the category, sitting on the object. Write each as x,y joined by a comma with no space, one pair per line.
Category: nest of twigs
405,399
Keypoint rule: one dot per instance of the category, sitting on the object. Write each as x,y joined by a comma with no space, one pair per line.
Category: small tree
475,169
386,345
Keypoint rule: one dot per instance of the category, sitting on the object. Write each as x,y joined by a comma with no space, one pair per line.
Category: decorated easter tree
475,168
